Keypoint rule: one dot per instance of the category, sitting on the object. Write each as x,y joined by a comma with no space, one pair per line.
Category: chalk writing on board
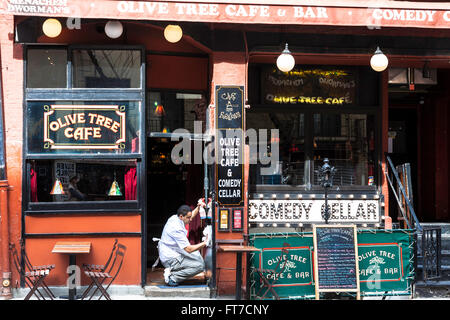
336,259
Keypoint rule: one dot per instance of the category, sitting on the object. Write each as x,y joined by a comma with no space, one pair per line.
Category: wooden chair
269,277
98,268
108,275
34,276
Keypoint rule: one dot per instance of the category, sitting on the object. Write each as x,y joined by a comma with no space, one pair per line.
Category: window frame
86,95
309,111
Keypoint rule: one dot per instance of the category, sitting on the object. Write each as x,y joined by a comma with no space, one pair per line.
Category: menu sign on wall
229,145
324,86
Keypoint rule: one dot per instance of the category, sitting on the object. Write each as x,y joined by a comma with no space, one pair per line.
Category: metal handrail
408,203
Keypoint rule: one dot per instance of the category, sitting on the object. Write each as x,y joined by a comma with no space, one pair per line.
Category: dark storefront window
347,140
318,112
83,147
170,110
106,68
83,180
46,68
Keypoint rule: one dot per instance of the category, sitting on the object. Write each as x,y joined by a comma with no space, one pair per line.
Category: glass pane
168,111
83,127
106,68
277,159
46,68
347,140
82,180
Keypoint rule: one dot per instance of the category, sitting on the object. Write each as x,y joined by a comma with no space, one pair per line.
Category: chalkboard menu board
336,259
229,145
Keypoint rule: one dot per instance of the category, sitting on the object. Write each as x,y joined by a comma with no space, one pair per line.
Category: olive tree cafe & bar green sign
385,260
84,126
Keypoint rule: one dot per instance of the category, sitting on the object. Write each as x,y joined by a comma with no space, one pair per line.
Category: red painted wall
189,73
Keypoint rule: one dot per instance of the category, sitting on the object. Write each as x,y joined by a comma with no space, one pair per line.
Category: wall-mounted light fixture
285,61
113,29
379,62
52,28
173,33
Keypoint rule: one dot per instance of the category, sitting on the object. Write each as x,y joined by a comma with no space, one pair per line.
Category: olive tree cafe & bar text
303,108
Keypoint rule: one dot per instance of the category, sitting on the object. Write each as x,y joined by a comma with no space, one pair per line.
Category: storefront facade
111,110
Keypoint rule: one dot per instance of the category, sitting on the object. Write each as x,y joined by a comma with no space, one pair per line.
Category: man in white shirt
181,259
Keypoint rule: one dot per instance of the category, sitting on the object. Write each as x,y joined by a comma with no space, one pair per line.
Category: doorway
403,148
168,187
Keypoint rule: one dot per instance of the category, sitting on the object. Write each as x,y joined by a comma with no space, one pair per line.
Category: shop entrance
169,186
402,148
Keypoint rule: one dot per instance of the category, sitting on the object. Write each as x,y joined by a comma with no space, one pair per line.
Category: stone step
187,291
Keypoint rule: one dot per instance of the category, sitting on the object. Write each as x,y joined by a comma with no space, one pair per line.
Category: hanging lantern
285,61
52,28
114,190
113,29
173,33
379,62
57,188
159,110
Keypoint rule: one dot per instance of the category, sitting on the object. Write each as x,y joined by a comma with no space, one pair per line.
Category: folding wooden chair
98,268
270,276
34,276
98,278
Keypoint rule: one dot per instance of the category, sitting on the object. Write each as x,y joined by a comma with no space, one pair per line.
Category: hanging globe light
113,29
285,61
52,28
379,62
173,33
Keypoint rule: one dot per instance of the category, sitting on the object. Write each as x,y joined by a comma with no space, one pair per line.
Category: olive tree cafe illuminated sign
84,127
316,86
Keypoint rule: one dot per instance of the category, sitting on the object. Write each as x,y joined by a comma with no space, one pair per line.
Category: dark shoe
172,283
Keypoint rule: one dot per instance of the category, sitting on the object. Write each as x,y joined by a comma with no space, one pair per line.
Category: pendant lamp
114,29
379,62
159,110
57,188
114,190
173,33
52,28
285,61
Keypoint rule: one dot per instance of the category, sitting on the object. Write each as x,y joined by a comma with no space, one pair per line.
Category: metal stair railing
431,236
411,224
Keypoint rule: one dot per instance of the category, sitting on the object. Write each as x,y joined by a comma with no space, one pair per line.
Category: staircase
439,287
433,277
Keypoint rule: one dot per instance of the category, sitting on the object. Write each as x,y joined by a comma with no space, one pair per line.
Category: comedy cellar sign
311,211
229,145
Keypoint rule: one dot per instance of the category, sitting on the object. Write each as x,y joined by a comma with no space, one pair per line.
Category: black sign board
229,107
229,145
336,259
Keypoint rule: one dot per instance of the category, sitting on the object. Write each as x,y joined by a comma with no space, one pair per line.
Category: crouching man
180,259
